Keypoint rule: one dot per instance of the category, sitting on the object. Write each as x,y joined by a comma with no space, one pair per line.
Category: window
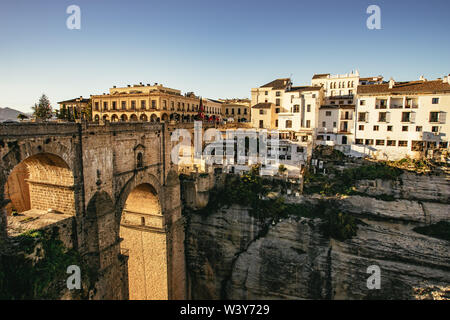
278,93
434,116
379,142
382,117
296,108
277,101
406,116
124,105
105,105
369,142
362,116
239,111
245,111
435,101
362,102
434,129
328,113
288,123
139,160
300,149
361,127
402,143
341,102
232,111
261,123
165,105
389,128
308,108
96,106
266,92
418,128
390,143
334,124
114,105
328,138
376,128
404,128
143,104
276,123
314,96
324,124
261,111
349,101
359,141
277,110
133,104
308,123
226,111
154,104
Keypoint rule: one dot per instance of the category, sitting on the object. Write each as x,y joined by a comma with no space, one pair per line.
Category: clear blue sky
214,48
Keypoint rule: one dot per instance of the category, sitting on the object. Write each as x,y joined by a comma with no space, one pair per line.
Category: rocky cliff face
231,255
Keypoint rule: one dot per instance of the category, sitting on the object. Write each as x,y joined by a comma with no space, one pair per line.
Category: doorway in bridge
40,190
145,244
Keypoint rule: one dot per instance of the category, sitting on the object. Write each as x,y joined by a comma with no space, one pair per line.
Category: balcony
345,97
346,117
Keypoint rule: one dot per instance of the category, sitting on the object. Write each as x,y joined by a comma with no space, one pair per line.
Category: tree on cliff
42,110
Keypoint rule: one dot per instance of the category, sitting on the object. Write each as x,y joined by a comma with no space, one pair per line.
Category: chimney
114,86
128,85
446,79
422,78
391,83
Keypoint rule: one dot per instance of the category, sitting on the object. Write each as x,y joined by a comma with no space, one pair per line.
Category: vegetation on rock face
343,183
419,166
252,191
440,230
38,271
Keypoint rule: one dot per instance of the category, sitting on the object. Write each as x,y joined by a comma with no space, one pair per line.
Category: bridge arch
35,182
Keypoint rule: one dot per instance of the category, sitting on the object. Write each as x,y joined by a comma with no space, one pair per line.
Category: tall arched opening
144,241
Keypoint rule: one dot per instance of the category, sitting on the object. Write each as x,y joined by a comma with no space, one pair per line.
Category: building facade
77,108
267,103
337,112
152,103
399,119
236,110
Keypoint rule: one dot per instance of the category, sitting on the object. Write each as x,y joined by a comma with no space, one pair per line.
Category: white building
399,119
337,112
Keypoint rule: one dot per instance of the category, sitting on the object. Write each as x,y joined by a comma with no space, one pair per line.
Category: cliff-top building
398,119
153,103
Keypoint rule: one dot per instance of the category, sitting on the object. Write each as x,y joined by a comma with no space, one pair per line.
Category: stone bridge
115,182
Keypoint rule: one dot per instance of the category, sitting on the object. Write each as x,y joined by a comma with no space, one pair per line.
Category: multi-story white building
337,112
399,119
300,117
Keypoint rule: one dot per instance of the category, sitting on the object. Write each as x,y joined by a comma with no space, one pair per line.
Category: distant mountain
10,114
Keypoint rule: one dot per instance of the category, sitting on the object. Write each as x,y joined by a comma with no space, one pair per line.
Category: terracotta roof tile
409,87
263,105
277,84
